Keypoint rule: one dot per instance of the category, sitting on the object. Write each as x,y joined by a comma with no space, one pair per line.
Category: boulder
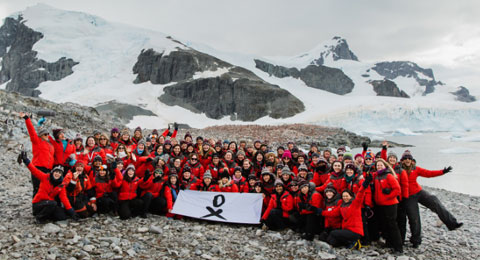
463,95
387,88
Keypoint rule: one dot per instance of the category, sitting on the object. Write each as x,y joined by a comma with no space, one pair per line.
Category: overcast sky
442,34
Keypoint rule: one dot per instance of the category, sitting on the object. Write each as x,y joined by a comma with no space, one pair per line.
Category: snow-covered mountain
76,57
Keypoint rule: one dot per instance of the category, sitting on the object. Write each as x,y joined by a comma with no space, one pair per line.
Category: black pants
389,226
431,202
130,208
107,203
373,224
153,205
310,224
36,182
48,210
402,218
276,221
342,237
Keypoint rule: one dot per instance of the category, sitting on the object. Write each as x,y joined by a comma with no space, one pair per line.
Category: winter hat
167,142
272,164
341,149
294,182
207,174
287,154
187,134
313,145
257,141
42,131
119,161
315,155
130,166
172,171
198,137
126,131
205,142
97,158
280,166
378,155
407,155
358,155
295,150
218,143
226,141
348,156
301,154
186,168
57,168
142,142
237,168
224,174
303,167
265,171
251,177
322,159
240,152
352,167
56,132
290,142
286,170
148,139
78,163
114,130
331,188
78,137
392,154
280,148
155,132
370,155
96,132
215,155
327,149
302,183
138,129
259,184
278,182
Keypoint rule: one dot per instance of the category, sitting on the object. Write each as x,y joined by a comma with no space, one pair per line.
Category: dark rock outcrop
393,69
321,77
339,51
20,65
242,99
238,93
463,95
124,111
176,66
387,88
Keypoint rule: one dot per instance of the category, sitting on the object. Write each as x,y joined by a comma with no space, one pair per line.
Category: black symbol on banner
216,204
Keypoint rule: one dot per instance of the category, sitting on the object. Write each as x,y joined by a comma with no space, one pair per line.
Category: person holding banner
207,183
170,193
276,216
225,184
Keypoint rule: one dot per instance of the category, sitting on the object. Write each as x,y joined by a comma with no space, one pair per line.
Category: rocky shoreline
106,237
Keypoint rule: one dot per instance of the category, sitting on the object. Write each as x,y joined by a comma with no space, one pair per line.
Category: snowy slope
106,53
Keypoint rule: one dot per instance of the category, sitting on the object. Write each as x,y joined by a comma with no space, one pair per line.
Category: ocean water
434,151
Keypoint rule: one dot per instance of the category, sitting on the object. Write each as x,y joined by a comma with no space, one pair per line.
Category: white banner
220,206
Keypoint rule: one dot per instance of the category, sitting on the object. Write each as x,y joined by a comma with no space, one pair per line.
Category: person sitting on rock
279,208
258,188
104,185
42,150
129,204
187,179
239,180
170,192
350,211
307,204
152,193
47,202
80,191
417,195
331,201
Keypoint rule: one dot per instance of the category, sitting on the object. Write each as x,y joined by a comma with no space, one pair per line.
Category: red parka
286,201
43,151
46,190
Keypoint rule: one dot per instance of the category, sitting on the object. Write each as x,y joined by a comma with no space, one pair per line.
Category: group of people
346,200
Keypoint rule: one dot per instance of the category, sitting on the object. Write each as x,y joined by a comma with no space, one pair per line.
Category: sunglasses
368,159
103,139
194,159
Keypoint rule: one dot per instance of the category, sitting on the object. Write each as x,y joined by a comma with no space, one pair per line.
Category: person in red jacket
91,150
153,200
387,189
319,167
330,202
63,148
350,211
46,203
195,166
276,216
80,191
129,205
417,195
207,183
337,177
307,203
43,151
170,193
226,184
268,180
239,180
104,185
187,179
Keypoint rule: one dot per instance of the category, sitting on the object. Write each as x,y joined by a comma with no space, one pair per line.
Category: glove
112,174
40,121
175,125
72,214
168,127
149,159
302,205
157,179
447,169
169,134
25,159
147,175
319,211
367,181
113,165
386,191
365,146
